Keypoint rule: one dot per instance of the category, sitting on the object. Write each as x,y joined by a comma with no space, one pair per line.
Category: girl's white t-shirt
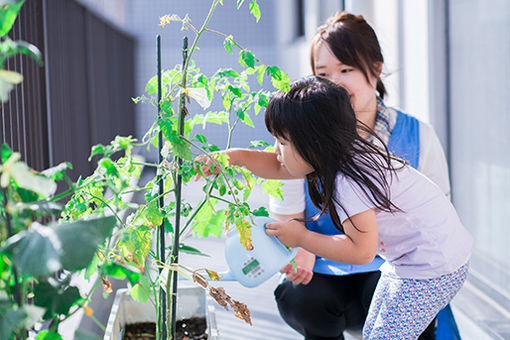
426,239
432,163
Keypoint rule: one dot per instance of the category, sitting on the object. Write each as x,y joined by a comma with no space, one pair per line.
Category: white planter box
191,302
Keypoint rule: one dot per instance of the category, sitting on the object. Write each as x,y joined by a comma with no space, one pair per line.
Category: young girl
323,298
382,205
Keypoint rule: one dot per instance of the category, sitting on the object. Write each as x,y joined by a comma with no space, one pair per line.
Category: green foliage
54,298
8,14
90,208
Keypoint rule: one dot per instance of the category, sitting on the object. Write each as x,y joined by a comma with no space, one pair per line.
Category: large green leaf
56,299
79,240
10,321
41,250
34,251
8,12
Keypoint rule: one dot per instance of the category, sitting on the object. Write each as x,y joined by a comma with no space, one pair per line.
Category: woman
323,298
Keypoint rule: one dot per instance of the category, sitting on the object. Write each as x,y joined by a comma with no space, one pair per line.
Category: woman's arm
432,159
354,247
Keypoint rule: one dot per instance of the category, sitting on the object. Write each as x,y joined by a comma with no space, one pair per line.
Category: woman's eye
346,70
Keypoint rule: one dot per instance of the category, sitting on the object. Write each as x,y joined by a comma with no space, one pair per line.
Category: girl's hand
289,233
207,164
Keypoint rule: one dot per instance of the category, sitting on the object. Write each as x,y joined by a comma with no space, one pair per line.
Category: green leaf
227,72
96,150
227,43
246,58
6,152
10,48
57,300
235,90
152,85
34,251
27,179
121,272
245,118
152,215
273,187
255,10
261,212
46,335
107,164
166,107
80,240
263,99
260,73
223,189
8,13
190,250
92,267
84,335
10,321
274,72
201,138
209,222
141,291
239,3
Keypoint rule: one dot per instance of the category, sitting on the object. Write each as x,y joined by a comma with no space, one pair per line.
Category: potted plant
172,131
93,205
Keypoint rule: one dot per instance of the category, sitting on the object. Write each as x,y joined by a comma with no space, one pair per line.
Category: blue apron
404,143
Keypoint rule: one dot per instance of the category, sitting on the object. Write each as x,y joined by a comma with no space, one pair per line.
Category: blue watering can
253,267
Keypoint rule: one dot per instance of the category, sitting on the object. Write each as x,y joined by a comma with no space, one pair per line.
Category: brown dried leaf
241,311
107,285
220,296
200,280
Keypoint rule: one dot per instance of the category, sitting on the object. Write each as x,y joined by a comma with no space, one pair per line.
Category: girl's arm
261,163
354,247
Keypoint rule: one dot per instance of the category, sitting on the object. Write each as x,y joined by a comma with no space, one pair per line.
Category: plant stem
17,290
161,329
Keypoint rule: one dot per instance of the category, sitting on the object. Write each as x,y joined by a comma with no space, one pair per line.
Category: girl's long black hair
317,117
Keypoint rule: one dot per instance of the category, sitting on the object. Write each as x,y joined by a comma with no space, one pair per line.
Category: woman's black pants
328,305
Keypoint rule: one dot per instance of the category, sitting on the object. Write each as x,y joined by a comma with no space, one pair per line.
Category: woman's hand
289,233
304,262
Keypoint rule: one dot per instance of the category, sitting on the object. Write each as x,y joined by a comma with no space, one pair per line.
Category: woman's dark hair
353,41
317,117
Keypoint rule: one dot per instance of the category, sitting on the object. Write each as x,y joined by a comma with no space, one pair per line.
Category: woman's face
361,91
290,158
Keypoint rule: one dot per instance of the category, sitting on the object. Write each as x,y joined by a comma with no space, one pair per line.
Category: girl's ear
378,68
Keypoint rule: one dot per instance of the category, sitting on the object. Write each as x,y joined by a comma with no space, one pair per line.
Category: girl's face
290,158
361,91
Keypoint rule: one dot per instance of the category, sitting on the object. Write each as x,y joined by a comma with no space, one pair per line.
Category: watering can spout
227,276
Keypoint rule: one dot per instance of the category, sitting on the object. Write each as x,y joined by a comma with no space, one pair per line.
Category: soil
187,329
